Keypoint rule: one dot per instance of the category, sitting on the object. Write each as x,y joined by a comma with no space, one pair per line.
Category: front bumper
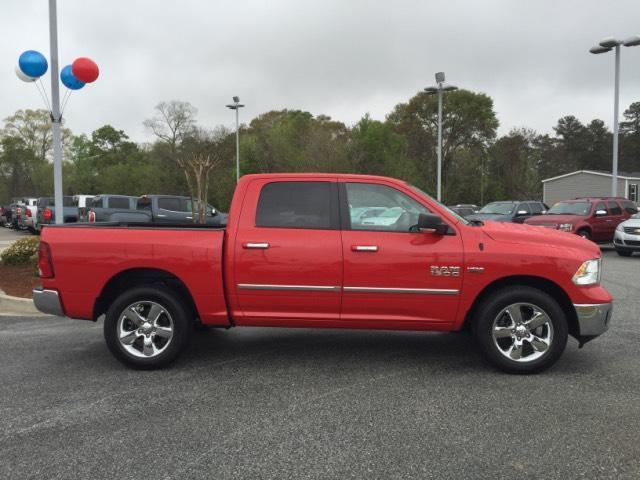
626,241
47,301
593,319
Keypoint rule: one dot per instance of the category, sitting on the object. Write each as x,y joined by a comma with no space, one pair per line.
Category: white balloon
23,77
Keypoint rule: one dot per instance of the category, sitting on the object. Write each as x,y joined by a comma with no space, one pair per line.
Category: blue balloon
33,64
68,80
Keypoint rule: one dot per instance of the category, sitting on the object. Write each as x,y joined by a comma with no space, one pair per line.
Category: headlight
588,273
619,227
566,227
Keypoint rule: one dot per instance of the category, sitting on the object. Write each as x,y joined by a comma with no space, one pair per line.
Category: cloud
340,58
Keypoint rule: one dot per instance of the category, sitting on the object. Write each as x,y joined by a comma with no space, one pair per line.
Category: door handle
160,215
256,245
189,218
364,248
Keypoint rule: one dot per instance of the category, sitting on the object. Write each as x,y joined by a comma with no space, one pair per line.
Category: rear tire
147,327
521,330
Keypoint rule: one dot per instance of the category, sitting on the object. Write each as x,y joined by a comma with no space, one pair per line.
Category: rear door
288,253
392,276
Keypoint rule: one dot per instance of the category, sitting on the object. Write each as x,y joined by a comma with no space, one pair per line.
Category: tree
630,139
469,122
34,128
173,122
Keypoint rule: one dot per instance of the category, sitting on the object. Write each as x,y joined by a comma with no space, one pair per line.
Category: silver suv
627,236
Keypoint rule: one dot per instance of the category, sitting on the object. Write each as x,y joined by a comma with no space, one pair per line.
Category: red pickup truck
328,251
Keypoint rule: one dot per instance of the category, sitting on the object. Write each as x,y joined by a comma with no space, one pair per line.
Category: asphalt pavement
303,404
8,236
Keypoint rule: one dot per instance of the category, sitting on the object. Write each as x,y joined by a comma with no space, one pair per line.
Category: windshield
498,208
570,208
454,214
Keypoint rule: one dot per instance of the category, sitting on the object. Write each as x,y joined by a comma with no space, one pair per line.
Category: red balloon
85,69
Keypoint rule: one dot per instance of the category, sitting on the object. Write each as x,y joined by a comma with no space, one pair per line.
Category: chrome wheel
145,329
522,332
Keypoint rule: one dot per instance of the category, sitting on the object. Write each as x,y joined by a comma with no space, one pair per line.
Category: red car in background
595,219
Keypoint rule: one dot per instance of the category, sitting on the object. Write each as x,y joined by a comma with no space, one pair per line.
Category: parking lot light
606,45
432,90
236,105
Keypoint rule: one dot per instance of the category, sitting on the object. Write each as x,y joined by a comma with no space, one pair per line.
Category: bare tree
173,123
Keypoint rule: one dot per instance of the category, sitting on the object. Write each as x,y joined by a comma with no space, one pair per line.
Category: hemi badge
475,269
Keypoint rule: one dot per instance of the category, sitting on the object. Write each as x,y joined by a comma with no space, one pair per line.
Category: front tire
147,327
521,330
584,234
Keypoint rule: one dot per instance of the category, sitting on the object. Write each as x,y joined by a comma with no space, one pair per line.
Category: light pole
56,118
439,88
605,46
236,105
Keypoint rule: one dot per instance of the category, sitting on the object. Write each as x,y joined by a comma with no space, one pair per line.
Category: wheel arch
135,277
540,283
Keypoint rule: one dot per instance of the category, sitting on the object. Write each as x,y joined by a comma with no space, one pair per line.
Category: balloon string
43,96
44,92
66,98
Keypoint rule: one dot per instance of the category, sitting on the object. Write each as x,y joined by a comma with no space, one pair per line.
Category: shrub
21,252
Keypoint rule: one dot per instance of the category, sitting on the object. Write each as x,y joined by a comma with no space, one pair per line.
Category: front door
174,210
393,276
288,258
600,222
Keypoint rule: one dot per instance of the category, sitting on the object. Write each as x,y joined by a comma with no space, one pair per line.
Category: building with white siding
589,183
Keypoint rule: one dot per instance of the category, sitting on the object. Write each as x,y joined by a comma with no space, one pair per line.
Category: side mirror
431,222
600,213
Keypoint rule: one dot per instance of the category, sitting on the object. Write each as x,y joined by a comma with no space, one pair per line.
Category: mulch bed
18,281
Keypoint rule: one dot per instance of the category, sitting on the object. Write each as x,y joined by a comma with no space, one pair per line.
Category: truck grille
633,243
632,230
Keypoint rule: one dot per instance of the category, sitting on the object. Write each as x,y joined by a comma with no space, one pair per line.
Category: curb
17,306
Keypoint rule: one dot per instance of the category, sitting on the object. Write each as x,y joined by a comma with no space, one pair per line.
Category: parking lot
259,403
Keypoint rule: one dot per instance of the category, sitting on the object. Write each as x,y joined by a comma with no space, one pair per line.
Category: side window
630,207
536,208
600,206
172,204
296,205
614,208
379,207
524,207
119,202
96,202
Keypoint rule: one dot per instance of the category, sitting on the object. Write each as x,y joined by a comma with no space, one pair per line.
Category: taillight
47,214
92,216
28,213
18,211
45,265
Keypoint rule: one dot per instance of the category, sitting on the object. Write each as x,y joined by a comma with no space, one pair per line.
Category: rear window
45,202
295,205
119,202
614,208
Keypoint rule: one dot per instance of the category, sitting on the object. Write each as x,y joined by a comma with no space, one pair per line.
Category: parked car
592,218
626,239
82,202
113,208
509,211
464,210
176,209
47,211
17,210
292,257
28,215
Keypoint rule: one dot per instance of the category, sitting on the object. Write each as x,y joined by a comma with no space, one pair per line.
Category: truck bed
89,258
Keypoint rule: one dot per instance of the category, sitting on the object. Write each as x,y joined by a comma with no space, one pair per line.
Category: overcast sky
341,58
